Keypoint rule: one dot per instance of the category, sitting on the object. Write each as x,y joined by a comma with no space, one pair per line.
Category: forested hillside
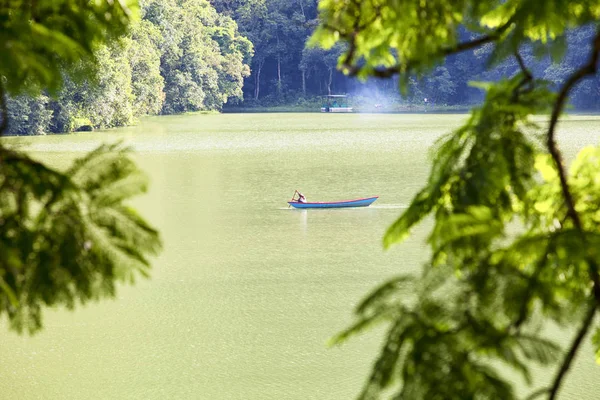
180,56
192,55
284,71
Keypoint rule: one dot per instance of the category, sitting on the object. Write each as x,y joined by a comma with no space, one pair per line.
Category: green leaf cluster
483,280
40,39
415,35
68,237
514,243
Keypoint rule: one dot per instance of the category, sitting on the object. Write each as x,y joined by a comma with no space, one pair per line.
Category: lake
247,292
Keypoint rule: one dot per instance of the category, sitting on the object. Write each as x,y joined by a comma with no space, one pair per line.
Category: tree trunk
256,85
329,82
279,87
303,83
257,80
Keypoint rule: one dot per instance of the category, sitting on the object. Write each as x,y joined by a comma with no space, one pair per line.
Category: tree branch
388,72
527,78
526,72
587,69
564,368
351,37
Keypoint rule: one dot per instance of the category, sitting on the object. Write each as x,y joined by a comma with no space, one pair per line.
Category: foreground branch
589,68
526,81
444,52
524,69
353,70
587,322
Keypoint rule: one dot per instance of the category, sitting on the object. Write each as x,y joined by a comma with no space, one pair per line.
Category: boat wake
395,206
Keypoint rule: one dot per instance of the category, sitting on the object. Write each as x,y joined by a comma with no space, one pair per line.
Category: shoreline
292,110
357,110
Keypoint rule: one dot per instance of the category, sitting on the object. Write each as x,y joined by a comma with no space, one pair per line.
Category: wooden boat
335,204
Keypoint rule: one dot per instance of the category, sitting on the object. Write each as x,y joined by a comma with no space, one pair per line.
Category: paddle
293,197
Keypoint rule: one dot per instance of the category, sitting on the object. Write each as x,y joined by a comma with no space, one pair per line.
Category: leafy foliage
202,54
68,237
180,56
28,115
514,241
40,38
65,237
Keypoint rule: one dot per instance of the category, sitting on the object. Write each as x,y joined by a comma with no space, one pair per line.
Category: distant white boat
336,103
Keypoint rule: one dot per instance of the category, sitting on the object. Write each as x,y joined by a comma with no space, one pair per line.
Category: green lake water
247,292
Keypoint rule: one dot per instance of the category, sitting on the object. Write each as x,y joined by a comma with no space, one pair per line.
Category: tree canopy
514,237
176,56
198,55
66,237
283,71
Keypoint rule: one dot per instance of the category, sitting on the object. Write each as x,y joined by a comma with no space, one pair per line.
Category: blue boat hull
335,204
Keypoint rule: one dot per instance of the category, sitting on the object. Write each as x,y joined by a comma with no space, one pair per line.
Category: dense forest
285,71
196,55
180,56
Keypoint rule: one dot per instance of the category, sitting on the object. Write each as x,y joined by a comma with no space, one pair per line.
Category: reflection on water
245,294
304,215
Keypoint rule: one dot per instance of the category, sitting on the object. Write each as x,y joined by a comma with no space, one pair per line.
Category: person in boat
301,198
